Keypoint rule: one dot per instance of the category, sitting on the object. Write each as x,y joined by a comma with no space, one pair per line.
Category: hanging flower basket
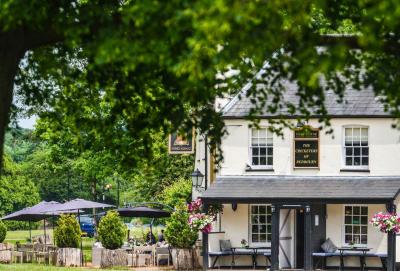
386,222
200,221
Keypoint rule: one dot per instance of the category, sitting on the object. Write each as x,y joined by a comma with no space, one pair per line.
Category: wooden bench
254,252
218,254
322,256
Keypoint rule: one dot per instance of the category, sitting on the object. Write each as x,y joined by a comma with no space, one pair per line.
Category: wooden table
251,251
363,251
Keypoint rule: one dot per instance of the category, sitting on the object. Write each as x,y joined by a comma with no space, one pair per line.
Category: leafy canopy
152,65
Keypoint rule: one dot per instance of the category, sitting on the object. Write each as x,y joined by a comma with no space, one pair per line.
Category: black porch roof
302,189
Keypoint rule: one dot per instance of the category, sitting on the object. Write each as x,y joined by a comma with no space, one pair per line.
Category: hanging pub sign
306,147
181,144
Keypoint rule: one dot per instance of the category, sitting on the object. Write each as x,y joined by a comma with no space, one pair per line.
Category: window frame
250,149
362,167
344,224
250,230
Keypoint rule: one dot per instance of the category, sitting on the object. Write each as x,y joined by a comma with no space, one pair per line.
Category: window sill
249,169
355,170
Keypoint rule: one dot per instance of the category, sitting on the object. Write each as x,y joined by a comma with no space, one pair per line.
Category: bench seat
324,255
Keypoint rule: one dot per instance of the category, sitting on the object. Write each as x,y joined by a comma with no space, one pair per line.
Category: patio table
251,251
363,251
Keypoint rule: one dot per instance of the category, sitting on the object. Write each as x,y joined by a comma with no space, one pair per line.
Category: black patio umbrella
33,214
143,211
78,205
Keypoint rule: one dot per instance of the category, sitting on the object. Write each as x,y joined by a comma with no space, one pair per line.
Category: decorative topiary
3,231
178,232
111,231
67,232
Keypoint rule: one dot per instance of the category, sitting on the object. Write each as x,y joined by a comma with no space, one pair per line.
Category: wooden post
391,245
275,238
308,259
205,242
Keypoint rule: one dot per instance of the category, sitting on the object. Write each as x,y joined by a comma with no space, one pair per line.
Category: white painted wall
384,157
384,142
377,241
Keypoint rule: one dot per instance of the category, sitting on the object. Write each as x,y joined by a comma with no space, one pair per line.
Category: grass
37,267
23,236
87,243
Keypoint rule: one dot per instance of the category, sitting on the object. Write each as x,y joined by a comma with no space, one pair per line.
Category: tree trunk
9,60
13,45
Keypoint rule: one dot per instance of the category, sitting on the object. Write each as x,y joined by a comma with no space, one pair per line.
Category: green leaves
3,231
178,233
68,232
111,231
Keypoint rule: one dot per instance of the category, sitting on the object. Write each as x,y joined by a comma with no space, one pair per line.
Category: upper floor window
356,150
261,148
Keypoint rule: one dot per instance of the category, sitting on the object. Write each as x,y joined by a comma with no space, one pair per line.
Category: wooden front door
286,240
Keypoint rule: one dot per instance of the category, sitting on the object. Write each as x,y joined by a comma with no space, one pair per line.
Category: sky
27,123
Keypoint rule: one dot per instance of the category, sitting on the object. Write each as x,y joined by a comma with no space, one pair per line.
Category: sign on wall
306,147
180,144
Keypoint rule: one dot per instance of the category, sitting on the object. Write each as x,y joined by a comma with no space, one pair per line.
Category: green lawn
23,236
37,267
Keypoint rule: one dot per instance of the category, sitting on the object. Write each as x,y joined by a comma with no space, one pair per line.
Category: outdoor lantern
197,179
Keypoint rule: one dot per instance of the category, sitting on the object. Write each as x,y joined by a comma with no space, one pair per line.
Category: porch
303,213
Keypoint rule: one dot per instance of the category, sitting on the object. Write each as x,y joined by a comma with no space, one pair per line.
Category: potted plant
111,233
67,237
182,237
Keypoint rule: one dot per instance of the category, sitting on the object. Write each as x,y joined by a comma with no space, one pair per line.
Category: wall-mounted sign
180,144
306,147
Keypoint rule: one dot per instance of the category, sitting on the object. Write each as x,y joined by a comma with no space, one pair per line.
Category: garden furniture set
140,256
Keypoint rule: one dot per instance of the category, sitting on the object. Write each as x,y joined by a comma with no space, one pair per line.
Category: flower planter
70,257
184,259
105,258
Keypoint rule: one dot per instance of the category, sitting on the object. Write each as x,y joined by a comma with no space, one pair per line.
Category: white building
288,195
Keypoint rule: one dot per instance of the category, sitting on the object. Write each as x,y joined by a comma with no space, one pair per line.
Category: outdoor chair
17,255
40,253
27,252
162,253
145,255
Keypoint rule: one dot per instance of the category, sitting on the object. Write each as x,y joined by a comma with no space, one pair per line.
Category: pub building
303,200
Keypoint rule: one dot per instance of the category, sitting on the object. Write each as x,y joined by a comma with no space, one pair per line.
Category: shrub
178,233
177,193
3,231
111,231
67,232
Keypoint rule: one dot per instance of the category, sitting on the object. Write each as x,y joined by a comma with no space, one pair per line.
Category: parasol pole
151,231
54,240
44,228
30,232
79,219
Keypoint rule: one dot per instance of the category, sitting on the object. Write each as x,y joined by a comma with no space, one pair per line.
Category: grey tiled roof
291,188
355,104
